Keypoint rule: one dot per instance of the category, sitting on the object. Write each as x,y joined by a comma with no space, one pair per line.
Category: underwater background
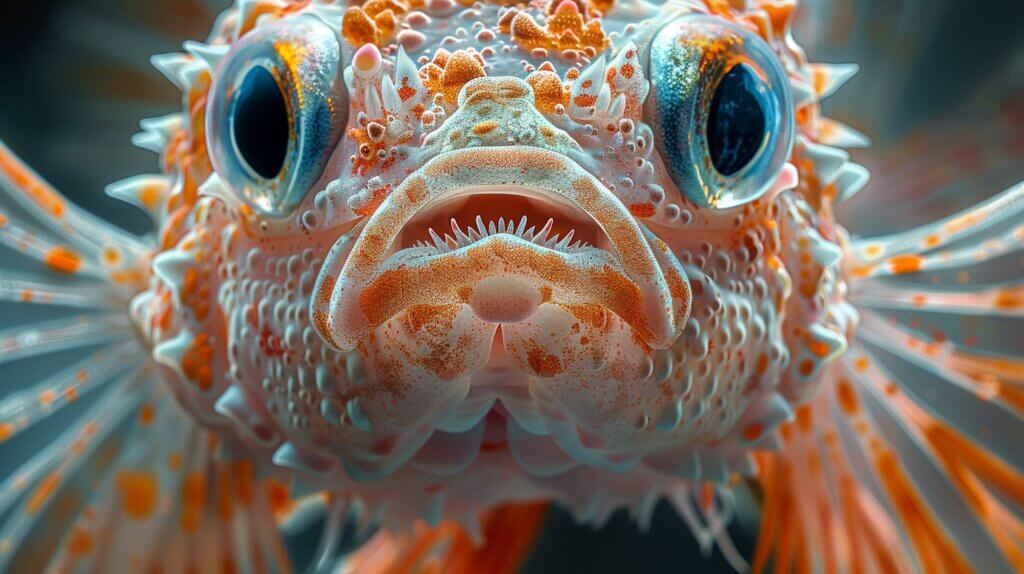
940,93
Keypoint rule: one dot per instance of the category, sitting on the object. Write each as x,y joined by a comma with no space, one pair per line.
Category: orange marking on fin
43,492
38,191
903,264
6,430
138,492
934,548
63,260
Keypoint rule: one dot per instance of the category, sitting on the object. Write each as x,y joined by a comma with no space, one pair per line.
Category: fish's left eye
277,108
720,108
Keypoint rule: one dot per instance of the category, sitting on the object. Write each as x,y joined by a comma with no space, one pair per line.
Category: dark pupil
260,123
736,126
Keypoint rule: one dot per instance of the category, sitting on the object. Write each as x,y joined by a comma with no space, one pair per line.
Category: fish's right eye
278,107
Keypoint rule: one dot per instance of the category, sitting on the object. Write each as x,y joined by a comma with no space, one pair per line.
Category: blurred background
940,93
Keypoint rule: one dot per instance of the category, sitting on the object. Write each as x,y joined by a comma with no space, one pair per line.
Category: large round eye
277,109
720,108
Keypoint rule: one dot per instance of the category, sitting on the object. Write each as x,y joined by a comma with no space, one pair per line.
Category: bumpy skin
419,378
339,347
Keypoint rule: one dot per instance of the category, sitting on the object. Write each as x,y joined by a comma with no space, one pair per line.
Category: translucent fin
910,457
508,531
52,211
62,334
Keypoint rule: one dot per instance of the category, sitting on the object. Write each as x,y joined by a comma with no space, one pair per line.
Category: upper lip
650,292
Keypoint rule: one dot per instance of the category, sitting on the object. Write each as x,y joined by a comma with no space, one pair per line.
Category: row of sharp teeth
459,238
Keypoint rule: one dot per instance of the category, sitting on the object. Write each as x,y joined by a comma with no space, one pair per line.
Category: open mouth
503,230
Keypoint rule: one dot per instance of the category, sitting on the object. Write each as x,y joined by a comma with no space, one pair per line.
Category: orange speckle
138,492
6,430
63,260
542,363
642,210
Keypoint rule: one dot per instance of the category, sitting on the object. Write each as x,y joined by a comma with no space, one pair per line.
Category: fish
421,270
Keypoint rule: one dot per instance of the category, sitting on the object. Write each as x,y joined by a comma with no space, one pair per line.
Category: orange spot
147,414
277,495
111,256
79,542
903,264
43,492
753,432
485,127
806,367
847,397
6,430
47,397
861,364
63,260
138,491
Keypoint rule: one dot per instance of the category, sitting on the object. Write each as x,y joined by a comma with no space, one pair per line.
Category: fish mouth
592,252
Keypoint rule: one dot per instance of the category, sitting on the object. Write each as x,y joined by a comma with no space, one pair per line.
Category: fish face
537,244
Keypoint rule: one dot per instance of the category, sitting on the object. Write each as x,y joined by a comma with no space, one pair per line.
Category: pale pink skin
506,370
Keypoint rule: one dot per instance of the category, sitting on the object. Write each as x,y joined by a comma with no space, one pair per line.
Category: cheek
732,350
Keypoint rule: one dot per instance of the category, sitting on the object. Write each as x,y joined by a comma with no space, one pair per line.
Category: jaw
365,281
492,315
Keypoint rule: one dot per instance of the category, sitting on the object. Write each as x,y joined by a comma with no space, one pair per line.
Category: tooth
522,226
481,227
565,240
438,242
542,235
